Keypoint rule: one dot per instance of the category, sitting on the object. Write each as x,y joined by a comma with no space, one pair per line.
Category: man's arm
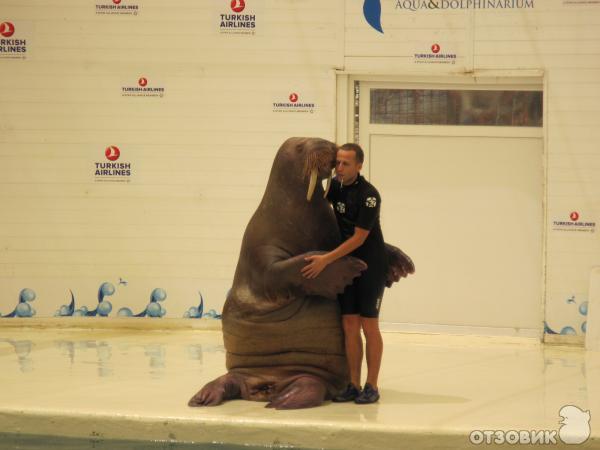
367,216
319,262
277,274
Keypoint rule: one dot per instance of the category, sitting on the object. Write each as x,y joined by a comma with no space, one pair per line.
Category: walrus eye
328,185
312,184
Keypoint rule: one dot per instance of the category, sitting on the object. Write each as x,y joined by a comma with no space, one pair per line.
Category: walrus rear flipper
399,265
285,275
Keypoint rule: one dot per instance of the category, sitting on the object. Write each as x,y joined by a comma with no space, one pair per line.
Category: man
356,203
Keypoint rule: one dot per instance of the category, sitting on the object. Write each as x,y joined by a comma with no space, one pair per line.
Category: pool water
11,441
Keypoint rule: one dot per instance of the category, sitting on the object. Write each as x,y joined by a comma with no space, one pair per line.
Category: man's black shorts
365,293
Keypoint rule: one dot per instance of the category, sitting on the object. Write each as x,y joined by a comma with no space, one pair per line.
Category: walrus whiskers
327,186
316,159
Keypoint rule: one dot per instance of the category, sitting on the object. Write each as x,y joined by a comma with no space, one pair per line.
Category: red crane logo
238,5
7,29
112,153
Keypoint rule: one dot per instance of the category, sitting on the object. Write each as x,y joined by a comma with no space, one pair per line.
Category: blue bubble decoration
158,295
568,330
23,308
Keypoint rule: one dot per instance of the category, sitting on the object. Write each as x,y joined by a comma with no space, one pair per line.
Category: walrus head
317,157
300,164
319,161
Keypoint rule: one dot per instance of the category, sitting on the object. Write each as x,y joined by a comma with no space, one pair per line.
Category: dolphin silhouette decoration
372,12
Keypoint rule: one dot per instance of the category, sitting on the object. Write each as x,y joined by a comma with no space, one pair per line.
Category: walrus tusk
327,186
312,184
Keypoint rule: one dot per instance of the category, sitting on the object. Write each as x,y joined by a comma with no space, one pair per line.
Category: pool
128,389
31,442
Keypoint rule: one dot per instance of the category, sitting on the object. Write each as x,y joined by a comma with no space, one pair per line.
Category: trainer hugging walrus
282,331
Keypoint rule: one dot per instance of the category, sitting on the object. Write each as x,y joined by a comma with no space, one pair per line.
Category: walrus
282,332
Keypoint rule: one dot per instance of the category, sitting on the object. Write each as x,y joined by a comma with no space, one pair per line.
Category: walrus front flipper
285,275
399,265
304,392
226,387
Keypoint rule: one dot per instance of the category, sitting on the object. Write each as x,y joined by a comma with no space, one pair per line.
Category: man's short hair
358,151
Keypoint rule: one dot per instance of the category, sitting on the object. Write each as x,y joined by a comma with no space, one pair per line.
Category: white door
467,206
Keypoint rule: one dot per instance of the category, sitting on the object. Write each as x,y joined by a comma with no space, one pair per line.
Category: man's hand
319,262
315,267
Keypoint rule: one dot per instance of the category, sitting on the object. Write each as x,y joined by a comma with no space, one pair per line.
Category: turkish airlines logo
238,5
142,88
294,104
435,48
7,29
112,153
576,223
116,2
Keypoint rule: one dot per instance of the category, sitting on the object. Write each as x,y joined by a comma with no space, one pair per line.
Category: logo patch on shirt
371,202
341,207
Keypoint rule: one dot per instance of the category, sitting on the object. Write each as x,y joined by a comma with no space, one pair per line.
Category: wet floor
135,384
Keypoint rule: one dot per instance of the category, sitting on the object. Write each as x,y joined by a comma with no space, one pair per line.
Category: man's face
346,166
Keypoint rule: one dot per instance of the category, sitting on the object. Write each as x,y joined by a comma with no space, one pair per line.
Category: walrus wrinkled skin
282,331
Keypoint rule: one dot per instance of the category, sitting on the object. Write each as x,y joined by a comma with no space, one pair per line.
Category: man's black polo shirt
358,204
